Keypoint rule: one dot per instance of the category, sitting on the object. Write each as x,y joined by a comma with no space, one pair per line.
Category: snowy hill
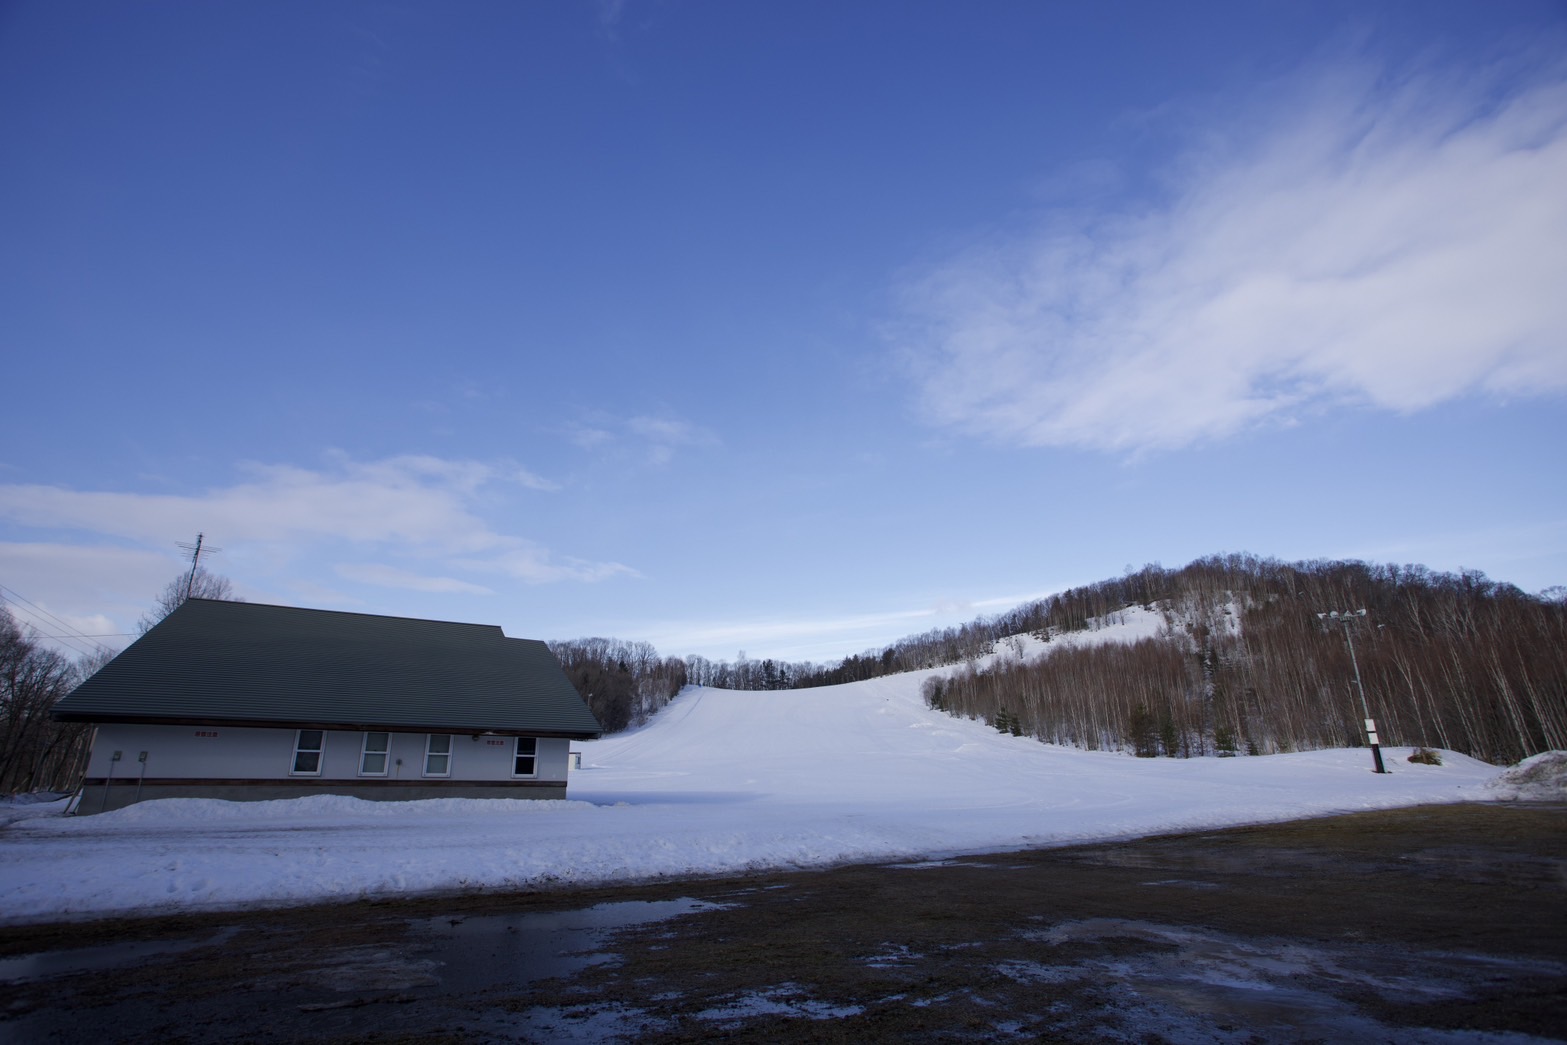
873,746
718,782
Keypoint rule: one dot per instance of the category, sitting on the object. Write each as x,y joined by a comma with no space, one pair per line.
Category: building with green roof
245,701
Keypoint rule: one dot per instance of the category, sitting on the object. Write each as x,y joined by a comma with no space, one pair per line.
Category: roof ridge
348,613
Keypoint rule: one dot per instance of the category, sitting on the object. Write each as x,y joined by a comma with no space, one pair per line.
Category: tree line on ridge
1242,665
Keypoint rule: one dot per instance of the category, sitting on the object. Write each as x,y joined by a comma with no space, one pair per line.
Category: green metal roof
243,663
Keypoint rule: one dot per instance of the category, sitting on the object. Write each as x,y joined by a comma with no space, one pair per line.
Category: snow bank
27,806
297,812
1542,778
718,782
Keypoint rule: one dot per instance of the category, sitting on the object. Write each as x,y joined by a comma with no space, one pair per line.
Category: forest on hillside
1244,664
622,683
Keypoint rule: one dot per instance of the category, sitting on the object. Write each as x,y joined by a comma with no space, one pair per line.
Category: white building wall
188,751
243,753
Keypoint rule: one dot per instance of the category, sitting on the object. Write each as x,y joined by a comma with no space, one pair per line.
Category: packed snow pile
1542,778
718,782
27,806
293,812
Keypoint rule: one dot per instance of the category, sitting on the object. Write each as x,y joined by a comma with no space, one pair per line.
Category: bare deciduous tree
201,585
1454,660
36,753
622,683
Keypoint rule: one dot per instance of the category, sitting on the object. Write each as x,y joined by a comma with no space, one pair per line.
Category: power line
73,633
103,635
70,642
19,597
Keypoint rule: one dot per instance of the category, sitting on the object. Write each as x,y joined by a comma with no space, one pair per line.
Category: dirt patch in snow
1444,923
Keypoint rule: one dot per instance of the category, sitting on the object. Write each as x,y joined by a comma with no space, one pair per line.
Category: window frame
517,755
385,753
319,751
429,752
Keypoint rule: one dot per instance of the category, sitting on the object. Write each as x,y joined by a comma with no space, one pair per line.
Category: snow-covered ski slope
872,750
718,782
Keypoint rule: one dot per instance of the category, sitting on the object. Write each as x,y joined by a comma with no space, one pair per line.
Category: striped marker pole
1376,749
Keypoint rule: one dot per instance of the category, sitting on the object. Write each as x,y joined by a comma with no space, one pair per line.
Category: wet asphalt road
1436,924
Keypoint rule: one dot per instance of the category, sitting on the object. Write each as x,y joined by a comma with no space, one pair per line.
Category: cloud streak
381,575
658,437
1360,239
822,638
422,509
664,435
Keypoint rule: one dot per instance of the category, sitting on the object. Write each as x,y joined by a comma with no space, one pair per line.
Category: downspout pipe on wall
142,758
107,780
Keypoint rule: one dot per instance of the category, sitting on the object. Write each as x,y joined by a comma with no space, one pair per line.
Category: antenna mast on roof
195,558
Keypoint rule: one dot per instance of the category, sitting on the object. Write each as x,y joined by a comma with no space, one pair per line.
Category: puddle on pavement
50,964
785,999
927,865
1479,865
1285,862
1201,985
510,949
1185,883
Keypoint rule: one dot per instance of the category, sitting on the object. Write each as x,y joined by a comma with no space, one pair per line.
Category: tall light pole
1348,618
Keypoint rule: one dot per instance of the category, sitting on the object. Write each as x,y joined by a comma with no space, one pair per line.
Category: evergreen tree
1141,734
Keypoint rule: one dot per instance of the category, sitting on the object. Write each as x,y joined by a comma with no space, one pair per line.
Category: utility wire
103,635
69,642
73,633
19,597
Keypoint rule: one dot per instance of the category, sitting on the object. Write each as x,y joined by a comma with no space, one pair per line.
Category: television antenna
195,559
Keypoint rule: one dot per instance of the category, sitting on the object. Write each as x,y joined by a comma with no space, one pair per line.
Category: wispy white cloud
818,637
1361,238
385,576
422,509
610,13
662,436
658,436
526,561
414,499
72,591
589,437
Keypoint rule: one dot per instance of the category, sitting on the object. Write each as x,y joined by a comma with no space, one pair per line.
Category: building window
372,761
438,755
527,760
307,752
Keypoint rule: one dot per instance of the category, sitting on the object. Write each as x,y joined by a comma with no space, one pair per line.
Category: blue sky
785,328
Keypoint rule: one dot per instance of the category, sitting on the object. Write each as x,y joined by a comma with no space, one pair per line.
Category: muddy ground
1434,924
